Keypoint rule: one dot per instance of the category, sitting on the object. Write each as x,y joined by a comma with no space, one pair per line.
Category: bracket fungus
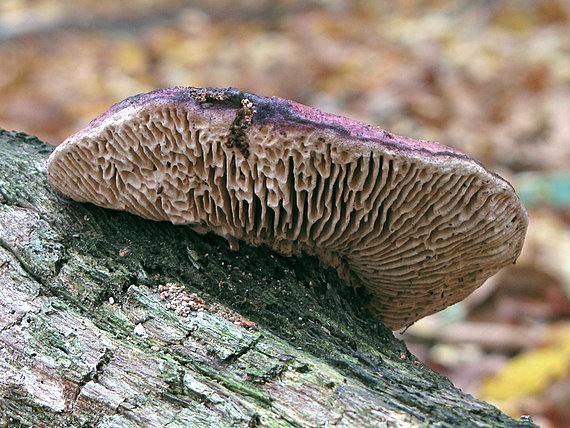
419,225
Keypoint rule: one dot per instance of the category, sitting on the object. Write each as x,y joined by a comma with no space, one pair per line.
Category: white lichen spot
140,330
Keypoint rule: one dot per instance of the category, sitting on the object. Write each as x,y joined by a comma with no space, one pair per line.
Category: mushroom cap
419,225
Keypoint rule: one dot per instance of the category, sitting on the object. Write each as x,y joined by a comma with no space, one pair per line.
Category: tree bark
107,319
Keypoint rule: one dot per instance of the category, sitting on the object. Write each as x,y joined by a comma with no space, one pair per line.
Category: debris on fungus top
417,224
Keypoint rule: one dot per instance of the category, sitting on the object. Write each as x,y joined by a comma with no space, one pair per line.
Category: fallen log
107,319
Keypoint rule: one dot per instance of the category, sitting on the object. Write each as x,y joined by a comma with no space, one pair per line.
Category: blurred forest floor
490,78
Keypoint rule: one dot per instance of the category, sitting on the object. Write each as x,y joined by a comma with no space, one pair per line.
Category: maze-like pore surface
419,232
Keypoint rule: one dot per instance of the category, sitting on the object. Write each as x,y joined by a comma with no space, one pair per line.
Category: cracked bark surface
86,340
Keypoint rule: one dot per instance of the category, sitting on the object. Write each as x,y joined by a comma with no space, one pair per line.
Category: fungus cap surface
416,223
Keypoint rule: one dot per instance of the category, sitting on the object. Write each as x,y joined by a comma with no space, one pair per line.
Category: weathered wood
86,340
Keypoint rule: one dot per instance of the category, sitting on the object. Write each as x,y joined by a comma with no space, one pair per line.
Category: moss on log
107,319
